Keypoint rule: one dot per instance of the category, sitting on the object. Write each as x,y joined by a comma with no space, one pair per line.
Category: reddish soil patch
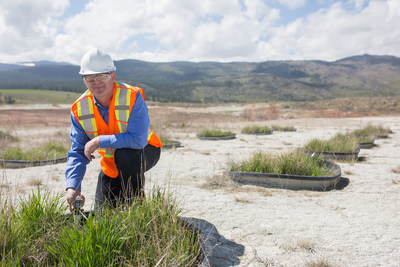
35,118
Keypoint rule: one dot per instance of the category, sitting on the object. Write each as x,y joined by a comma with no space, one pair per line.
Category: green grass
147,233
365,138
49,150
167,141
340,143
209,132
373,131
293,163
283,128
255,129
30,96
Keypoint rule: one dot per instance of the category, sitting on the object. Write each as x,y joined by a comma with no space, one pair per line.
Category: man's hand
72,193
90,147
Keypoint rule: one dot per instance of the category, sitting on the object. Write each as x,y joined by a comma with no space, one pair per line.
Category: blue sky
198,30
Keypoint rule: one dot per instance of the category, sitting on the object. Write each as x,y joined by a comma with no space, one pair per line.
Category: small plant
293,163
340,143
167,142
283,128
396,170
209,132
365,138
372,131
257,130
50,150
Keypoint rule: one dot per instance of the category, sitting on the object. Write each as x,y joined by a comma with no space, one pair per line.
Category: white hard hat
96,61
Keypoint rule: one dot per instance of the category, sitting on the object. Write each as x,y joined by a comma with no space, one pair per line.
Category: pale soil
358,225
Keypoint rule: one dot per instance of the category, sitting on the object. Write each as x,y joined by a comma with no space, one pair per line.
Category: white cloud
292,4
196,30
184,30
336,32
28,28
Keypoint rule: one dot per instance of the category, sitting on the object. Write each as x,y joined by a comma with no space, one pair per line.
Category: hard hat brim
90,72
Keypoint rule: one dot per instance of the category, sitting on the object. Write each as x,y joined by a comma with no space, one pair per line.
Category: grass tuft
255,129
49,150
293,163
340,143
373,131
147,233
283,128
209,132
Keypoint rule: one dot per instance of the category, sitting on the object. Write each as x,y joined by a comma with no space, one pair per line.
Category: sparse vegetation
167,142
283,128
340,143
372,131
301,244
5,137
365,139
39,233
255,129
209,132
396,170
294,163
49,150
318,263
242,199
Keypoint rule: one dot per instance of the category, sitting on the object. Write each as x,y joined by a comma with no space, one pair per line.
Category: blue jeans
129,184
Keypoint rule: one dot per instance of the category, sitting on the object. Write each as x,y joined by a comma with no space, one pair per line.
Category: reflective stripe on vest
85,112
122,112
86,116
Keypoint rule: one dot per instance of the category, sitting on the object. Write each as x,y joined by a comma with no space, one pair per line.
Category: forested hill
365,75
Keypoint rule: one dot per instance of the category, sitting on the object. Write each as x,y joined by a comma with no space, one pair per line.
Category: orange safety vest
87,114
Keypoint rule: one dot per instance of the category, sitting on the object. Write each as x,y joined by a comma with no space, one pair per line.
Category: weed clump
340,143
209,132
255,129
372,131
293,163
49,150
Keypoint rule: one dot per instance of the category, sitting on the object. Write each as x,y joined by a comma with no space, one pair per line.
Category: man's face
100,85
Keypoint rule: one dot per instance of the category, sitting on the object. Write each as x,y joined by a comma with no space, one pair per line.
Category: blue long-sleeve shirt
135,137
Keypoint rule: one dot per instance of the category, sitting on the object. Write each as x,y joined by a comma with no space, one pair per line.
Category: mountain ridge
210,82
